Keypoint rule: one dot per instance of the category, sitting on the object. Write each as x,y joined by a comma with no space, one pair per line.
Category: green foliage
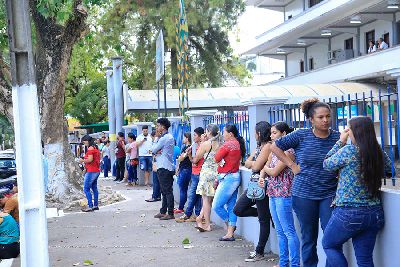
6,133
90,103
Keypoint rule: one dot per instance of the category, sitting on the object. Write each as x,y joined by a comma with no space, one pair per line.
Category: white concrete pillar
197,120
258,111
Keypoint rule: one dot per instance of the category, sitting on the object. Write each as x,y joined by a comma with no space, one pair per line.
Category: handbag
134,162
254,191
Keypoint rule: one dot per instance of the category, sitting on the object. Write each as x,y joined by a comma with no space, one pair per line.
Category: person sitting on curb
9,237
10,206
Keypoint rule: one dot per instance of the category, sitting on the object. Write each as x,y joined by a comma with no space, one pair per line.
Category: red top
120,150
196,167
230,152
93,166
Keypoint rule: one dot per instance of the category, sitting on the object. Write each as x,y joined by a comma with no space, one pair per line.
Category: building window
311,63
348,44
386,39
314,2
369,36
301,66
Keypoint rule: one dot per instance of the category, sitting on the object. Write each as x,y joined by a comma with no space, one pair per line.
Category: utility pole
111,113
31,196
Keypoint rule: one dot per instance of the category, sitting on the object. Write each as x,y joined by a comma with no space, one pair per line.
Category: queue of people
322,176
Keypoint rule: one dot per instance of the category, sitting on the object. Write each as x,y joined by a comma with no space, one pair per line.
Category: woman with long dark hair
228,158
358,212
184,172
92,165
279,189
313,187
245,206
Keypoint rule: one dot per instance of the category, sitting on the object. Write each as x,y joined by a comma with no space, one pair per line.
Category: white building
323,41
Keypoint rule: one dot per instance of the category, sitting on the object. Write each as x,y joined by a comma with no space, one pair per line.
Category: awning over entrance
235,97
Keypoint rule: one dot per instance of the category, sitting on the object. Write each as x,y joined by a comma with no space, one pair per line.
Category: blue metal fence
383,109
238,118
178,129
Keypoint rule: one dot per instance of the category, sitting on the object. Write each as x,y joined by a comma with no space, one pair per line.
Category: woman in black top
184,172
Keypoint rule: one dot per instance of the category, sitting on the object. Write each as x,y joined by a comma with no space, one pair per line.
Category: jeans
289,244
8,251
156,187
361,224
120,169
308,213
183,181
132,173
244,208
146,163
194,200
226,194
106,165
90,182
166,179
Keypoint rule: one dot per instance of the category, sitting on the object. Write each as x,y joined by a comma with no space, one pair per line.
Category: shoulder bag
254,191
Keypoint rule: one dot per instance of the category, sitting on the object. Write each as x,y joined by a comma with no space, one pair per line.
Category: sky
254,21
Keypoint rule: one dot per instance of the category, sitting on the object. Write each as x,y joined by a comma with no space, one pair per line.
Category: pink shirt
134,151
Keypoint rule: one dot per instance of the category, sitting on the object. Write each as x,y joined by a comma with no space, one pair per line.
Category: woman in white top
372,47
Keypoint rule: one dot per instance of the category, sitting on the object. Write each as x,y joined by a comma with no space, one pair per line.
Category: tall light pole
111,113
119,97
31,196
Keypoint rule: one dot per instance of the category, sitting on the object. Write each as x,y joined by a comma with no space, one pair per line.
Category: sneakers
96,208
185,218
167,217
177,211
87,209
159,215
253,257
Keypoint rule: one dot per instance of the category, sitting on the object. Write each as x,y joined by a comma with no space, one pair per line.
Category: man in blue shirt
163,149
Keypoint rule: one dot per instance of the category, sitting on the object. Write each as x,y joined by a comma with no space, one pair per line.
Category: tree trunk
174,69
5,90
54,48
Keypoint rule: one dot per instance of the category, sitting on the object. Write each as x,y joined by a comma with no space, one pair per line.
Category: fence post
258,111
196,118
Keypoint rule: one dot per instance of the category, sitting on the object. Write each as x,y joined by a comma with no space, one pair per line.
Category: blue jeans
183,181
361,224
156,187
309,212
90,182
146,163
289,244
226,194
106,165
132,173
194,201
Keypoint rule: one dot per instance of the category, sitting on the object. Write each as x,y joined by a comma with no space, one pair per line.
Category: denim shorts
146,163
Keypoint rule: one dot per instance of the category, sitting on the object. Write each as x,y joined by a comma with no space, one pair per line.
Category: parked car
8,167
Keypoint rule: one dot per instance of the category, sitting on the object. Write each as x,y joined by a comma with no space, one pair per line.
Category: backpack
254,191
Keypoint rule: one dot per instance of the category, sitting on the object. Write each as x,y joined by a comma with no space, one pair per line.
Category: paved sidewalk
126,234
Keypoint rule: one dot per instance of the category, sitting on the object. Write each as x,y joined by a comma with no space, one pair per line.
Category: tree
90,103
58,26
210,62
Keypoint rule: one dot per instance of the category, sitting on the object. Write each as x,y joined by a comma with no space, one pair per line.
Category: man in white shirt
382,44
144,143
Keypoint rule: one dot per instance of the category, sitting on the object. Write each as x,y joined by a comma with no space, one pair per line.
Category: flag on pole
182,36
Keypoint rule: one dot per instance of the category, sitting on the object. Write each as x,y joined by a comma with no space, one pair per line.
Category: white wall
381,27
338,41
294,8
294,63
320,55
